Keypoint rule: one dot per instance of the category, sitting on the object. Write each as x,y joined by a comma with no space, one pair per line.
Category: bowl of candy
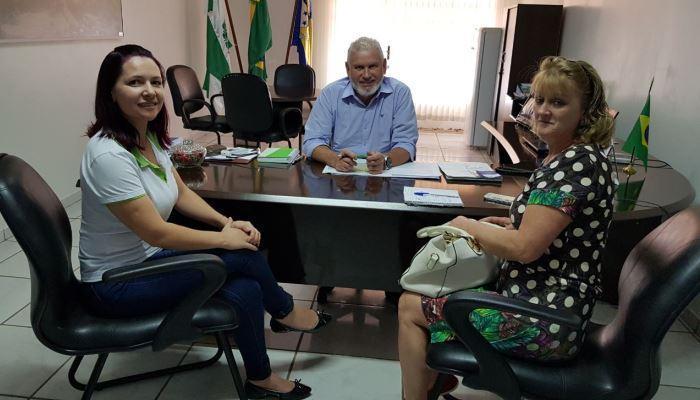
188,154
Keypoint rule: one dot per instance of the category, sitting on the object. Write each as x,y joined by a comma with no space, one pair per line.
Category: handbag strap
432,231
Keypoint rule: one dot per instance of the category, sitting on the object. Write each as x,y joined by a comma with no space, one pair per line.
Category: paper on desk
417,170
467,170
418,196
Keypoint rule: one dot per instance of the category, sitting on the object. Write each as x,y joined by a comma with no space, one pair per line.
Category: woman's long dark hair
108,116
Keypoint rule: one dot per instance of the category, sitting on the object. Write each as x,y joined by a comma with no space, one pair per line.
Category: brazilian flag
638,141
260,39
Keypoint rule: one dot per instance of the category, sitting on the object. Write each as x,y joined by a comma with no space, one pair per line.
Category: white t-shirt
110,174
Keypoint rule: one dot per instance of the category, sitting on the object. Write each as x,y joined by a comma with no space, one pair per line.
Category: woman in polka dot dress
553,239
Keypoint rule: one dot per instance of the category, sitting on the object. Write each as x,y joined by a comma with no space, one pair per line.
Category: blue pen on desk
434,194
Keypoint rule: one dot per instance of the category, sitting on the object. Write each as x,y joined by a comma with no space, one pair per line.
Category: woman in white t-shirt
129,188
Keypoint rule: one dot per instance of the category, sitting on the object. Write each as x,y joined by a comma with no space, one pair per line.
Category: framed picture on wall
42,20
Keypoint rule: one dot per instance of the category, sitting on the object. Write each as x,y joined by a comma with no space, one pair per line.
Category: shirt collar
143,162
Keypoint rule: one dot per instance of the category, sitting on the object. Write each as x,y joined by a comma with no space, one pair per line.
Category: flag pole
233,34
630,170
291,30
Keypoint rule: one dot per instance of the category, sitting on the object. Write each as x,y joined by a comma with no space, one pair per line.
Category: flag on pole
637,142
303,31
260,39
217,49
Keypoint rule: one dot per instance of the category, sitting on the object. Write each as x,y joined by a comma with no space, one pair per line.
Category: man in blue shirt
365,114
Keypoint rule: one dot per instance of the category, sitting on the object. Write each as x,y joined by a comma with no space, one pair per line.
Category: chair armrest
211,99
475,300
186,113
290,121
494,371
177,324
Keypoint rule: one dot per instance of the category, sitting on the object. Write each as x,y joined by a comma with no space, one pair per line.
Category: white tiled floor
354,358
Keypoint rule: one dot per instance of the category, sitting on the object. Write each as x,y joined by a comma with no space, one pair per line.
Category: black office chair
295,80
64,324
617,361
188,98
250,114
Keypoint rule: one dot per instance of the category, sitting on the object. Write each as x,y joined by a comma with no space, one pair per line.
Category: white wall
629,41
48,88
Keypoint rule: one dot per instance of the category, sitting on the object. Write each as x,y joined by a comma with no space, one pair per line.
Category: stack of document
279,155
470,172
236,155
417,196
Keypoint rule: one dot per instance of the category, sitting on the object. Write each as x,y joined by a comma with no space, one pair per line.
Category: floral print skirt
508,333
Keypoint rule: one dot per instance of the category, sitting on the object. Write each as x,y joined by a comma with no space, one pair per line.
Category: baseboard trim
69,200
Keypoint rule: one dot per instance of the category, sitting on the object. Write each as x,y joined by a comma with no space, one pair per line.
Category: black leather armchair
250,114
295,80
619,361
64,324
188,98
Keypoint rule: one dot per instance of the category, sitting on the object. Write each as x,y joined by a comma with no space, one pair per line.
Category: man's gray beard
366,93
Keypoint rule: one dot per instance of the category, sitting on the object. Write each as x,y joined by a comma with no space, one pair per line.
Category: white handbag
451,261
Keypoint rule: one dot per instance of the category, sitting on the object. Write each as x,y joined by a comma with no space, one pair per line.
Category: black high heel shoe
300,391
323,320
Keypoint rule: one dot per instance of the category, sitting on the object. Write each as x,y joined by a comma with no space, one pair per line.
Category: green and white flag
217,49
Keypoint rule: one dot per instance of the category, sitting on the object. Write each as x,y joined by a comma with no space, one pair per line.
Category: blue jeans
250,288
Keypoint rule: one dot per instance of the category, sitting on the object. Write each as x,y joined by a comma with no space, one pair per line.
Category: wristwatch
387,162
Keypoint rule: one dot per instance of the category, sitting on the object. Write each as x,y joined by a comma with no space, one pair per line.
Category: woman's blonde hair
555,73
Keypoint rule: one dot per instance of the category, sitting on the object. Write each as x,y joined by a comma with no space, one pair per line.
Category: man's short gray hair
365,44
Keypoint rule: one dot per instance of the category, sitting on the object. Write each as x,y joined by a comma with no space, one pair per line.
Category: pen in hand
346,161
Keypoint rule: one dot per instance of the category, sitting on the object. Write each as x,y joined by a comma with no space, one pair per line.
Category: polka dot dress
579,183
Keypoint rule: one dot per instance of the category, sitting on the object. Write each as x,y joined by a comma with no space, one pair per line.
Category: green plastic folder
280,152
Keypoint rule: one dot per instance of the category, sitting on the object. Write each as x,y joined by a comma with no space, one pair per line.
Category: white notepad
417,196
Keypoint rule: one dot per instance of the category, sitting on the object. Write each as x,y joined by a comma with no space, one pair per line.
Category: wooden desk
357,232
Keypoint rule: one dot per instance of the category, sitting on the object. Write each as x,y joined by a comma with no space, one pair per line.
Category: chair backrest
184,85
40,224
295,80
660,277
247,103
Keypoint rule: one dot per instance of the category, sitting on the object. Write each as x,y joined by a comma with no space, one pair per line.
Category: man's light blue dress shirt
340,120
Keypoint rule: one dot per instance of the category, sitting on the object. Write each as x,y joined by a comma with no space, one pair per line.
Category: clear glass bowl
188,154
193,177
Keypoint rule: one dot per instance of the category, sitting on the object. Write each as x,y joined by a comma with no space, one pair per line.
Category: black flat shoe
300,391
323,320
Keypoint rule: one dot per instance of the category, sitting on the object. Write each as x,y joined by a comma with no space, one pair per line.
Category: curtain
431,45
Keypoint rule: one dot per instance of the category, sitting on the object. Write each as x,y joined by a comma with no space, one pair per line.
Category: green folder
278,152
